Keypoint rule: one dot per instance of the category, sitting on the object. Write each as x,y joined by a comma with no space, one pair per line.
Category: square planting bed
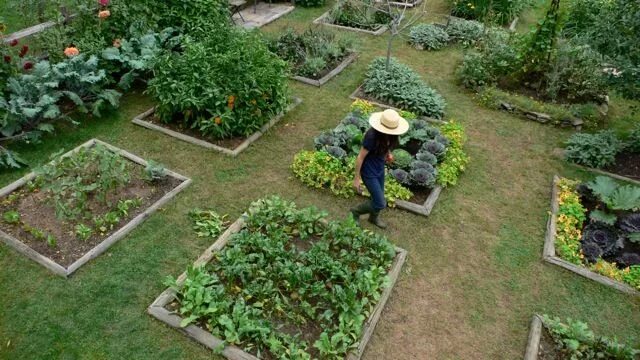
323,20
71,253
359,94
421,208
549,251
331,74
231,147
166,307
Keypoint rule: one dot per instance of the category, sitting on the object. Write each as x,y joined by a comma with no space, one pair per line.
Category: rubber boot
364,208
374,218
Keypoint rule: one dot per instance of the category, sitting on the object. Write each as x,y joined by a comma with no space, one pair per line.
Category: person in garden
376,149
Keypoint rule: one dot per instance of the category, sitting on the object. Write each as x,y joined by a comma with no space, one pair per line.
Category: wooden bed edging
348,60
549,252
140,120
533,345
322,21
424,209
109,241
354,96
157,308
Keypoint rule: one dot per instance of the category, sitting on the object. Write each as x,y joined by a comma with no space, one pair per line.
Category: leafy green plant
400,86
464,31
428,37
228,85
83,232
124,206
633,140
614,195
366,15
11,217
500,11
154,171
401,159
311,3
596,150
208,223
574,340
455,160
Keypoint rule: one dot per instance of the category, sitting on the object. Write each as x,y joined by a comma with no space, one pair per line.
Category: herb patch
356,16
75,207
429,158
256,293
594,230
553,339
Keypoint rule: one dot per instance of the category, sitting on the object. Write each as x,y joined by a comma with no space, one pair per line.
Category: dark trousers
375,185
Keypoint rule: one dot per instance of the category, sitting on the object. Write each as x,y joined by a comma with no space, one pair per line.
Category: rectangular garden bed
60,252
409,4
549,251
331,74
323,21
231,147
166,306
359,94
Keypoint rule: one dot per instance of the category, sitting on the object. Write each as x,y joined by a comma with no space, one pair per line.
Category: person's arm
356,181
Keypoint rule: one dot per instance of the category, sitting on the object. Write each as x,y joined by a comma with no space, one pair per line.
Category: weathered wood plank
533,345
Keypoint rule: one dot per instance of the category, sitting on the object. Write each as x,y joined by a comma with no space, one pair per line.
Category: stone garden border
354,96
106,243
421,209
323,21
157,308
535,333
140,120
348,60
549,251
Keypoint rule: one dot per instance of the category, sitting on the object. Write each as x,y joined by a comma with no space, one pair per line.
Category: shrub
401,159
633,140
597,150
501,11
400,86
221,89
497,57
464,31
428,37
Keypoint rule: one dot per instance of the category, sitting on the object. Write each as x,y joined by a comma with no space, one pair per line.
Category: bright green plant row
262,280
434,37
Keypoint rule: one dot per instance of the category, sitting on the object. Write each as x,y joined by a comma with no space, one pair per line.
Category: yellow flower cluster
363,106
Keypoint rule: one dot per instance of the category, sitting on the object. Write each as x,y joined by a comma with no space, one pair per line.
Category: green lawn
474,275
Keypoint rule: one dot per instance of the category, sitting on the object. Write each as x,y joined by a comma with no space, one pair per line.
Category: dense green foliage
207,223
428,37
229,85
574,340
261,278
500,11
399,86
464,31
312,52
596,150
311,3
366,15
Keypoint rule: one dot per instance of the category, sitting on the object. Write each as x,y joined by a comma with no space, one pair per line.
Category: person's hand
390,158
356,185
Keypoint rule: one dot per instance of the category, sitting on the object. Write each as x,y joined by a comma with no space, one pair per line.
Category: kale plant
604,237
417,164
336,152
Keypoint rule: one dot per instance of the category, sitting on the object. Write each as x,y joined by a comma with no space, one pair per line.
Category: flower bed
355,16
74,208
399,87
549,338
315,55
594,230
430,158
283,282
605,152
231,146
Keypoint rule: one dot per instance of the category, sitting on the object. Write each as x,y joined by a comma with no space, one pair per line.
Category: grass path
474,276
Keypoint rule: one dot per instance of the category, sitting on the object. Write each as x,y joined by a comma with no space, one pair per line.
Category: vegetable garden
290,281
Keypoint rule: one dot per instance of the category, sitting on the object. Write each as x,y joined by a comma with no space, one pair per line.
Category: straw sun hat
389,122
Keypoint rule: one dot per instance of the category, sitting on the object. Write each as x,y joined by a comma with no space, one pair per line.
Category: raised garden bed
330,74
324,20
544,344
61,234
576,212
275,224
413,181
232,147
409,4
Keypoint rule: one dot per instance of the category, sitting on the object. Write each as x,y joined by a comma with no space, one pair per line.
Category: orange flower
218,120
231,102
117,43
71,51
104,14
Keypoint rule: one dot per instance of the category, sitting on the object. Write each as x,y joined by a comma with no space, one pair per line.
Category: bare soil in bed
230,143
36,212
420,195
547,349
627,164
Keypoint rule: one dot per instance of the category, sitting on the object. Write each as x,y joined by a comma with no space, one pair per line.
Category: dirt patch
38,213
303,245
230,143
547,349
627,164
420,195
